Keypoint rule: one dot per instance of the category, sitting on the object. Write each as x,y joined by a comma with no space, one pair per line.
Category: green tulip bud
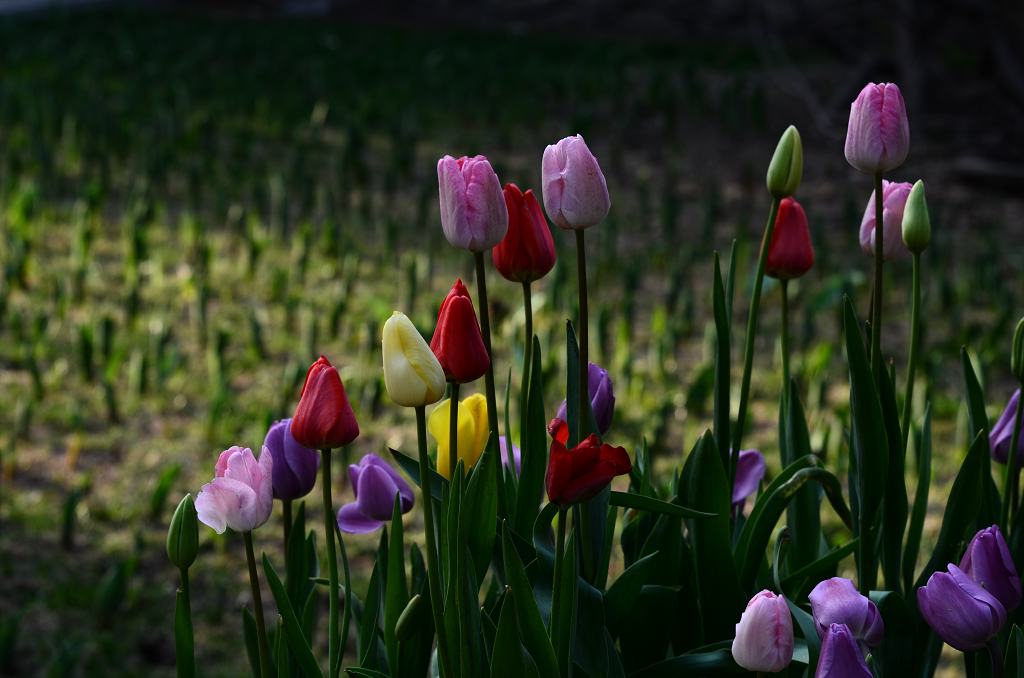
408,621
183,534
1017,354
787,165
917,227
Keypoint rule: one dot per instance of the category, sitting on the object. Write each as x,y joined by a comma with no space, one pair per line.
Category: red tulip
790,253
579,474
457,342
323,418
527,252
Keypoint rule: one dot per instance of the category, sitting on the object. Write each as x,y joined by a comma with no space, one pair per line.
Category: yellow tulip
472,432
412,374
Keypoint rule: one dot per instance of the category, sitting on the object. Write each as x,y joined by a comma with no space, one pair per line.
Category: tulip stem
286,514
257,604
453,430
1012,471
583,423
528,348
748,353
434,583
876,301
333,639
785,344
915,338
184,647
556,589
492,399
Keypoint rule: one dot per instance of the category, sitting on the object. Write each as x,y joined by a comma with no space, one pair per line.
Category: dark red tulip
579,474
323,418
457,341
790,253
527,252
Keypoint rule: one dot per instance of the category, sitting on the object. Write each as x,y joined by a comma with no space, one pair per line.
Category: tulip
324,418
527,252
749,471
961,612
515,460
579,474
840,655
894,199
375,485
602,399
473,431
183,535
1001,436
473,212
836,601
988,562
917,225
457,342
787,165
295,466
764,634
790,253
878,136
575,191
241,494
412,373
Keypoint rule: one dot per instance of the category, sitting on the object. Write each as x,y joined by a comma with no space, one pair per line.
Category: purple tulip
836,601
878,135
988,562
575,191
375,485
749,471
473,212
894,200
240,495
602,399
295,466
503,445
764,634
960,611
1001,436
840,655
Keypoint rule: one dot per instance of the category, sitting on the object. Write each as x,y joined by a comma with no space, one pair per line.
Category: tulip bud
987,561
323,418
837,601
409,621
527,252
878,135
1001,436
840,656
787,165
750,468
790,253
1017,353
575,191
960,611
473,212
457,341
412,374
183,534
472,435
764,634
295,466
894,200
602,398
917,227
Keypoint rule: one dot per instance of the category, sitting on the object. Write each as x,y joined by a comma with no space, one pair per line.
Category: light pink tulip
764,634
241,494
894,199
473,212
575,192
878,136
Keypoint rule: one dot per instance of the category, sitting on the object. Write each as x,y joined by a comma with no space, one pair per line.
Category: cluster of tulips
505,586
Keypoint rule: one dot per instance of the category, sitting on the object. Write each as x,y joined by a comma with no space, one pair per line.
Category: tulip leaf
509,659
368,641
804,513
807,461
365,673
823,567
471,651
531,627
479,523
296,567
1013,667
534,452
892,657
412,469
644,503
723,364
810,632
396,592
621,595
894,520
251,639
563,623
297,645
978,424
716,662
923,440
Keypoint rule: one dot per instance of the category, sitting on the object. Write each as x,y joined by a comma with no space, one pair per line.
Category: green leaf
365,673
184,644
714,663
804,513
509,659
894,520
534,453
978,424
723,363
917,516
810,632
412,469
479,524
251,639
621,595
531,627
368,639
892,656
396,592
471,653
807,461
296,566
297,644
563,625
1014,664
818,570
644,503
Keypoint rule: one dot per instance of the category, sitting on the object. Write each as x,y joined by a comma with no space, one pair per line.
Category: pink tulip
894,199
575,192
241,494
473,212
764,634
878,136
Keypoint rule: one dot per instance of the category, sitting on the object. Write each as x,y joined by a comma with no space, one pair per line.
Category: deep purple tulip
988,562
295,466
840,655
836,601
1001,436
961,612
602,399
749,471
375,484
503,445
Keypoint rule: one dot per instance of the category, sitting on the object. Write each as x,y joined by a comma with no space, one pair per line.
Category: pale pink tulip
878,136
894,199
764,634
473,212
241,494
575,192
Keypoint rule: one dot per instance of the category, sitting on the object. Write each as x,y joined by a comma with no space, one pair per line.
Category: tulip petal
352,520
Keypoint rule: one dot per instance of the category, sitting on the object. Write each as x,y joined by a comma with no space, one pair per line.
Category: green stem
583,423
453,430
1012,471
184,648
748,352
876,303
915,338
528,348
333,639
257,604
286,514
556,589
492,399
433,580
785,340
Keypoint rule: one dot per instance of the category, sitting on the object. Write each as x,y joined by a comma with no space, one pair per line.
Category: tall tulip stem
184,644
1012,478
785,339
257,604
582,423
453,429
528,345
748,354
915,339
492,400
556,588
876,300
333,639
433,581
